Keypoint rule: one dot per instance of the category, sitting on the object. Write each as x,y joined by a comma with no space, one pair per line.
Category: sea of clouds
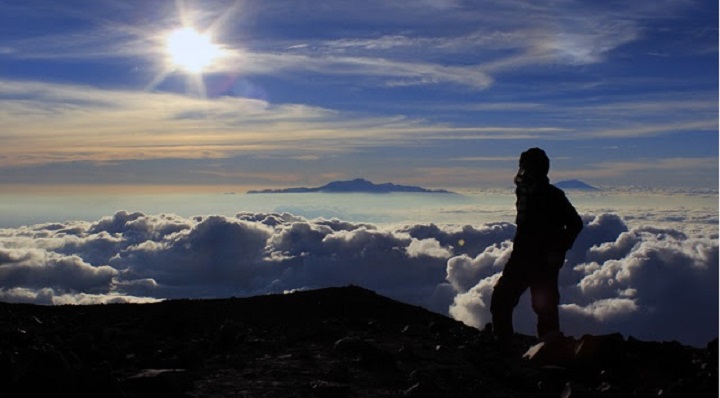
654,283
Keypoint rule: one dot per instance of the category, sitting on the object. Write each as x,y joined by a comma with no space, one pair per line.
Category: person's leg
505,297
545,298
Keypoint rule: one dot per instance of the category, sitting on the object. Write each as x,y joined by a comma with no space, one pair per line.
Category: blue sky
438,93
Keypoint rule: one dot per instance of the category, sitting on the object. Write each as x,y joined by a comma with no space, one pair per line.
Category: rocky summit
335,342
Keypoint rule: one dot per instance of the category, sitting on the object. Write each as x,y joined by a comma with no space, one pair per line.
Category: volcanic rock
335,342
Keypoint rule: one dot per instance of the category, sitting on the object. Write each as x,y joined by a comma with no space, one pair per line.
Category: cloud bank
652,283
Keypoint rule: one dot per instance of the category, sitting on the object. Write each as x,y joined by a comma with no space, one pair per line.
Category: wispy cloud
651,170
652,129
42,121
469,57
377,67
393,75
492,159
46,122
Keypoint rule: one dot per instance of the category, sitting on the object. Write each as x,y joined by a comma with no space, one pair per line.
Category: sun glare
190,50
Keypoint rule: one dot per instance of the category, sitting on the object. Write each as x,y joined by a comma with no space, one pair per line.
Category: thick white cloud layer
652,283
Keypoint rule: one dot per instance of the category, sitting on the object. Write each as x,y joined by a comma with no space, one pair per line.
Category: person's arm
573,223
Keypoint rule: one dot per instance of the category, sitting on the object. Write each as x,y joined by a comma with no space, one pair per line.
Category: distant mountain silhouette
576,185
357,185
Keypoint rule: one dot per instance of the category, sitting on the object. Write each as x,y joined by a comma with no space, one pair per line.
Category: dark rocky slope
337,342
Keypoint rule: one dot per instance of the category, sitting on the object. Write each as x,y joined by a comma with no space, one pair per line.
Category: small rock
567,391
423,389
348,346
322,388
556,351
600,350
159,382
366,354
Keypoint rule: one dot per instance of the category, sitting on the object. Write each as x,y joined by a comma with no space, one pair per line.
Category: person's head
535,162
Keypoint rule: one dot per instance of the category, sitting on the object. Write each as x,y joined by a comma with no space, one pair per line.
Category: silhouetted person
547,225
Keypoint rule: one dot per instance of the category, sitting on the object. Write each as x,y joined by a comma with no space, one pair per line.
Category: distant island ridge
575,185
358,185
361,185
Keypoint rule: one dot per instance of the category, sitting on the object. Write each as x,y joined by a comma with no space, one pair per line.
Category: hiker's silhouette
547,225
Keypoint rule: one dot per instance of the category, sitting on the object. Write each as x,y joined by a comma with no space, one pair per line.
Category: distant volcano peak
575,185
357,185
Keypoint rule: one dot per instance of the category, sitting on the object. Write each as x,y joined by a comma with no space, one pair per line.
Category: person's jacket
546,221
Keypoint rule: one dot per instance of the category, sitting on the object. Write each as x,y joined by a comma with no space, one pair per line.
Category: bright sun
190,50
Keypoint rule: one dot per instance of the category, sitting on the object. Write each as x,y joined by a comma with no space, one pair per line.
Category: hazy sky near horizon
438,93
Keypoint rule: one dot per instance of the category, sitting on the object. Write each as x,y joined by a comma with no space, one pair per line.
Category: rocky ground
337,342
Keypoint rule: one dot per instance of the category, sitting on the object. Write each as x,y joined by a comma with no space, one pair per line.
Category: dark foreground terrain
338,342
